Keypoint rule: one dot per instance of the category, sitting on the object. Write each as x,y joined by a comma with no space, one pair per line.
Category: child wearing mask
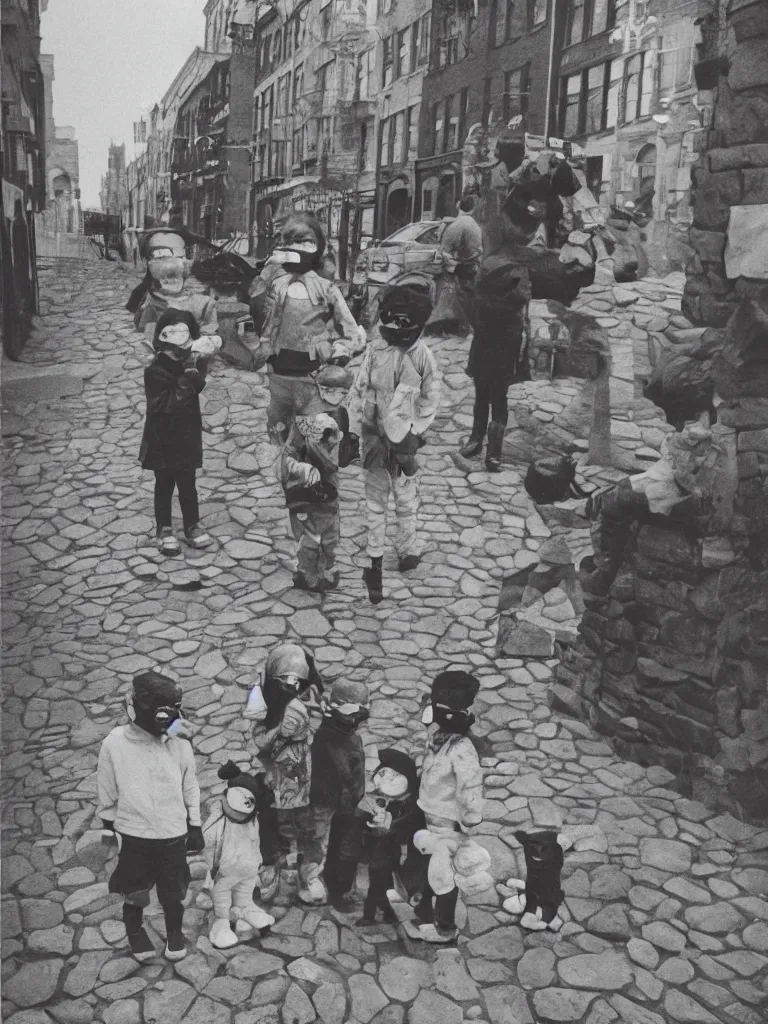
308,325
283,744
450,792
392,403
338,786
390,816
172,442
149,796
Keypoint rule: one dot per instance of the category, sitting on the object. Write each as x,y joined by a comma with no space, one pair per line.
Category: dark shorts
147,863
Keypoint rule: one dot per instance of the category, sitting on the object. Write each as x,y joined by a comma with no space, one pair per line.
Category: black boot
474,443
493,452
373,581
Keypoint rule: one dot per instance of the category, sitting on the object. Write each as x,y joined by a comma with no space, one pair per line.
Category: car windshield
425,232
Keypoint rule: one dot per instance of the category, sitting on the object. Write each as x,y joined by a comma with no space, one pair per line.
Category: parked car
410,249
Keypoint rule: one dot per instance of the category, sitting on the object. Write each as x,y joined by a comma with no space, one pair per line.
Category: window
676,65
324,136
507,21
574,29
277,48
278,153
515,99
288,38
613,93
539,11
298,147
572,106
451,125
638,86
412,133
365,64
399,152
437,127
463,104
325,22
298,86
383,7
283,93
324,78
448,47
486,115
403,53
269,106
599,17
388,62
618,11
425,31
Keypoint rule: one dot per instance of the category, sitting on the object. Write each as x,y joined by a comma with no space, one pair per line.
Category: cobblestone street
666,900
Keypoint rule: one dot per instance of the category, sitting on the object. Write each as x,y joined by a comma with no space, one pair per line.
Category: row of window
449,117
399,137
600,97
405,50
591,17
509,20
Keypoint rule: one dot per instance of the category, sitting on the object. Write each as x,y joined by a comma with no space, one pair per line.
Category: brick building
626,94
490,73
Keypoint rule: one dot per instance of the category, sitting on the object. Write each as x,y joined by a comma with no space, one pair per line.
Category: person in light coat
395,398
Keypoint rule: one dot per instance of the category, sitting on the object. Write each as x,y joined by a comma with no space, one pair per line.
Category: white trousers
231,892
378,484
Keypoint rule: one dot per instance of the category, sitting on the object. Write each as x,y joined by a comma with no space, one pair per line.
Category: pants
296,825
338,835
168,480
290,397
317,531
233,892
144,864
493,397
380,878
378,484
443,913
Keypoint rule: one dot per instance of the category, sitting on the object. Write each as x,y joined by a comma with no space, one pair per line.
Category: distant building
114,184
62,164
23,105
491,69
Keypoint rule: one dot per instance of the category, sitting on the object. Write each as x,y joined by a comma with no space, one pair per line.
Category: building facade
491,71
23,106
62,164
114,184
626,94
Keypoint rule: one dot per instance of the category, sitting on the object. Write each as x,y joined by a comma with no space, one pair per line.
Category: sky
113,60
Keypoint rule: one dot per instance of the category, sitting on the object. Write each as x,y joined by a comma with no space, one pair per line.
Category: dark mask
458,722
348,723
156,719
305,264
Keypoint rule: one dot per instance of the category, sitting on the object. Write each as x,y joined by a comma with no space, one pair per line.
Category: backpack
552,479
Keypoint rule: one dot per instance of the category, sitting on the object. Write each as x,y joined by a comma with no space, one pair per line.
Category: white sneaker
429,933
515,904
256,917
313,893
221,934
533,922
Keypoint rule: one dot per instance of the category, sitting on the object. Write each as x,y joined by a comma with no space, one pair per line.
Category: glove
349,450
108,835
195,841
339,361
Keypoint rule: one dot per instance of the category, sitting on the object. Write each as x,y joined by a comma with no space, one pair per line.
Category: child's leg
377,487
190,511
406,491
327,521
280,412
424,910
172,880
245,909
165,484
308,551
445,911
313,826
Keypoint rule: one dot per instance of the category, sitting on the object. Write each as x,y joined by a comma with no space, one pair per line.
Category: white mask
241,800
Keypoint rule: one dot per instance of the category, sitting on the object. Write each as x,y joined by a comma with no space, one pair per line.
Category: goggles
400,321
168,714
290,682
346,709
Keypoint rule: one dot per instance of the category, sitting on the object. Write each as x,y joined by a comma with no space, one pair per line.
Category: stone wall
733,171
672,657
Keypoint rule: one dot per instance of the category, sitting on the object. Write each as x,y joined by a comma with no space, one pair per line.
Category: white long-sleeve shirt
148,787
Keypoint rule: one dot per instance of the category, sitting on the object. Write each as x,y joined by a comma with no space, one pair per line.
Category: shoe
314,893
140,945
429,933
221,935
474,445
409,562
301,582
493,452
365,922
175,947
345,902
269,882
166,542
196,537
533,922
515,904
257,918
373,581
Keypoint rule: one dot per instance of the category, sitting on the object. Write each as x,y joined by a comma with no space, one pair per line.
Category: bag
255,706
553,479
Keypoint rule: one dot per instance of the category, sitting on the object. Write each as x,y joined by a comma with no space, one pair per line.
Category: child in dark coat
391,816
172,444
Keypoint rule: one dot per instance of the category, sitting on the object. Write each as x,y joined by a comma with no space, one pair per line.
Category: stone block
753,441
710,245
749,66
715,194
751,155
755,185
747,413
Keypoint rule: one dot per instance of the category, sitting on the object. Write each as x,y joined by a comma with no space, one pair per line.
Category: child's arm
354,400
352,339
191,790
208,320
293,469
107,787
166,394
469,783
428,401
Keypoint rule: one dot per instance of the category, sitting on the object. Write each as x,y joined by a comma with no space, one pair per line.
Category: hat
287,660
334,377
153,689
405,300
237,779
401,763
348,692
456,689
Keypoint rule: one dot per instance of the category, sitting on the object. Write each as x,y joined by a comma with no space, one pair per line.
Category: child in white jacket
233,854
392,403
